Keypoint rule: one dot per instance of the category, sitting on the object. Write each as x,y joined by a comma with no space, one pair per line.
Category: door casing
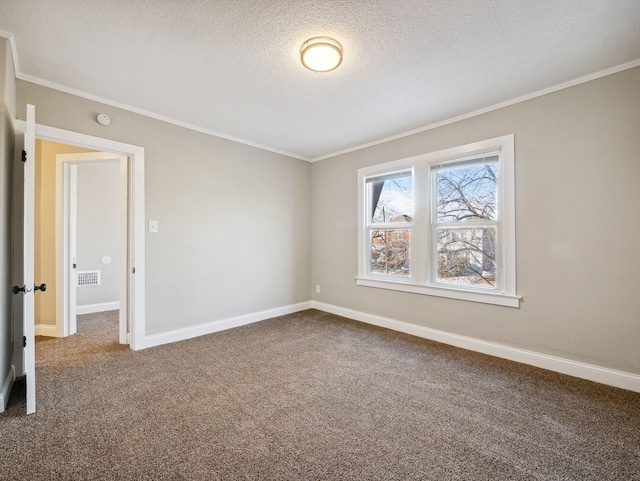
66,210
136,234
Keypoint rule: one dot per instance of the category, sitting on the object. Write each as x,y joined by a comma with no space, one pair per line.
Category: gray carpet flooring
309,396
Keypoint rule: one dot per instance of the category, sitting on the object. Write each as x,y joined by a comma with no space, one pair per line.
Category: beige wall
234,221
45,227
578,225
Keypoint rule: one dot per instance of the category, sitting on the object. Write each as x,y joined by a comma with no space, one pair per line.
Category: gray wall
578,225
98,230
235,235
7,79
6,156
7,107
234,221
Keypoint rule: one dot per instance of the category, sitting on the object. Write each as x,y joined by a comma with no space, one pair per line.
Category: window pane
390,252
467,256
390,197
466,192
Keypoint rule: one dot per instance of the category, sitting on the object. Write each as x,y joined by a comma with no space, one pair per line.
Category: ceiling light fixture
321,54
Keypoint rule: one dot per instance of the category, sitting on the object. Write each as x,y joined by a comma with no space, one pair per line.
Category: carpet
309,396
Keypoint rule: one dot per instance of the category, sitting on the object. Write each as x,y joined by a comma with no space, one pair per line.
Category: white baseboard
591,372
48,330
102,307
5,390
216,326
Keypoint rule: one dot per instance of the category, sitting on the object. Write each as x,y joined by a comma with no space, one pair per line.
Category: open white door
23,313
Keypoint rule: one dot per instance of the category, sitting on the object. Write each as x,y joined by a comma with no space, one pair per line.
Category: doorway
23,238
81,203
92,213
130,161
92,240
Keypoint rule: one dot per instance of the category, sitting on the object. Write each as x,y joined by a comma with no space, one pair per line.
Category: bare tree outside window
390,251
391,202
466,211
391,197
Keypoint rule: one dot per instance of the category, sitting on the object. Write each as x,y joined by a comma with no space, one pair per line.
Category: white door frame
66,211
136,259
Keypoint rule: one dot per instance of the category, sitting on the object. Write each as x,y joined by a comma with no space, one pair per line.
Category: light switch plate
153,226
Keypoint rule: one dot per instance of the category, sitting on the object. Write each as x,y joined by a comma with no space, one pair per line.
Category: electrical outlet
317,288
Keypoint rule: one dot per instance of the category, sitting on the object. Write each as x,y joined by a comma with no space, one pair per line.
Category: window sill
450,293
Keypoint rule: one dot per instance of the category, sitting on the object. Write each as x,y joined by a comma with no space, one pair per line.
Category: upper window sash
390,198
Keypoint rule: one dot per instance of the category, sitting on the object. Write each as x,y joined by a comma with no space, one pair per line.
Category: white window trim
419,282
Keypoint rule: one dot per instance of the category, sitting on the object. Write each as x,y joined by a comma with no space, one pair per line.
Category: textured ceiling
231,68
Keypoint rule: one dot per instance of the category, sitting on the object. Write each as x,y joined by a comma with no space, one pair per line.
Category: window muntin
455,237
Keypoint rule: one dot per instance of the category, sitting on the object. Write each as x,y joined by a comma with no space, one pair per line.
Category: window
464,220
441,224
390,201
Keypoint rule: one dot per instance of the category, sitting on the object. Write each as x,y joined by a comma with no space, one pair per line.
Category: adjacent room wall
234,221
7,108
45,227
578,225
98,231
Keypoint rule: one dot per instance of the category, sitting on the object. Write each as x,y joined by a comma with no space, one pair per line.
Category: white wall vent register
88,278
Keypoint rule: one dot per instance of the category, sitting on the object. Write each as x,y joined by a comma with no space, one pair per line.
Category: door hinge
24,341
133,271
24,156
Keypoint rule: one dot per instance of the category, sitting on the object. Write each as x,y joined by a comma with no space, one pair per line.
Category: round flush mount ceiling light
321,54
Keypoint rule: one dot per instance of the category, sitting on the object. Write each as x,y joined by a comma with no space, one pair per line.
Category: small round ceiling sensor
103,119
